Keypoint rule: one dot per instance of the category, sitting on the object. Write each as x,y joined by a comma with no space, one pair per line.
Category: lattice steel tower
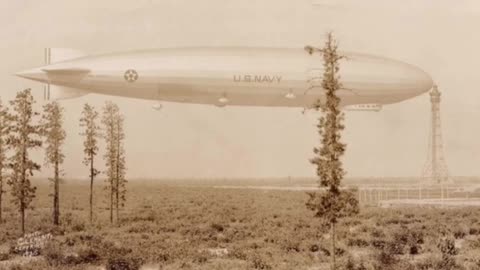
435,170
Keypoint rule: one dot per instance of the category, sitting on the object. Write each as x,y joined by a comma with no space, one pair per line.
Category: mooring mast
435,171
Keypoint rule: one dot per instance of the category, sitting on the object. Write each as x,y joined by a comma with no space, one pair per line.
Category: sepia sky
182,140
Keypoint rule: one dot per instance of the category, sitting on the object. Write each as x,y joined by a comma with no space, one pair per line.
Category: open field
186,226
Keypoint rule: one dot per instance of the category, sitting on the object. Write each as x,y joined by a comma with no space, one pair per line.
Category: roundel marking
130,75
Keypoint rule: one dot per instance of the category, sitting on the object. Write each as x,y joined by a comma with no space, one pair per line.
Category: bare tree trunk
112,164
22,213
116,188
117,204
22,200
117,183
117,165
1,197
91,188
111,200
334,263
56,202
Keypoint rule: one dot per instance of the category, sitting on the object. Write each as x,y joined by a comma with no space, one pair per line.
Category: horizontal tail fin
55,55
67,71
54,92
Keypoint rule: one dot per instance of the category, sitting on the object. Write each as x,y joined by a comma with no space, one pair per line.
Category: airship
272,77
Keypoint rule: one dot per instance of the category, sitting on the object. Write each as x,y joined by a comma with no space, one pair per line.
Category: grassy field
184,226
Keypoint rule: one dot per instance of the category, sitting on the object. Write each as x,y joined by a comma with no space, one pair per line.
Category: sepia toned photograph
239,135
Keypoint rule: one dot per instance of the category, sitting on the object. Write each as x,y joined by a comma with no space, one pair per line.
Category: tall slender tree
331,203
52,129
90,146
25,134
110,112
120,180
4,130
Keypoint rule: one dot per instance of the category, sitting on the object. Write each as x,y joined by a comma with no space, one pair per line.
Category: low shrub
258,262
357,242
238,253
378,243
351,264
386,259
474,231
88,255
459,233
200,257
53,253
428,263
449,251
217,227
290,245
125,263
4,256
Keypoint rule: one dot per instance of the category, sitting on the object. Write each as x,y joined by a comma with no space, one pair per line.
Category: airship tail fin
55,55
54,92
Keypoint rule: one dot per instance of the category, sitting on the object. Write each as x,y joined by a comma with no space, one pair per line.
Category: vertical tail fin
55,55
46,87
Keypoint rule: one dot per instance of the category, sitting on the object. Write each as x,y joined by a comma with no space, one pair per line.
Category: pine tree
331,203
110,112
4,131
52,129
25,134
90,145
120,180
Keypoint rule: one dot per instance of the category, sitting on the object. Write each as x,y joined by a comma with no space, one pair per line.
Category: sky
200,141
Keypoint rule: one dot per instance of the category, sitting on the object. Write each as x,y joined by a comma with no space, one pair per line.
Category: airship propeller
222,101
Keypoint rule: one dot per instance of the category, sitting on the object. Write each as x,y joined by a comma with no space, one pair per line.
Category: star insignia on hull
130,75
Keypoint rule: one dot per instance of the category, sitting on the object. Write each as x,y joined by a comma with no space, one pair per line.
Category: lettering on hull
250,78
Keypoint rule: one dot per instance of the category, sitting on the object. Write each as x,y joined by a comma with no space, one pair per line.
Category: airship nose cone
35,74
389,80
417,81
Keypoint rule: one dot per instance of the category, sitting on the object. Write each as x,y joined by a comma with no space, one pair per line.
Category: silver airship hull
233,76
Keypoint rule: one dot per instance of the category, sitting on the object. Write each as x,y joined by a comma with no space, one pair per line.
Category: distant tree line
22,129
